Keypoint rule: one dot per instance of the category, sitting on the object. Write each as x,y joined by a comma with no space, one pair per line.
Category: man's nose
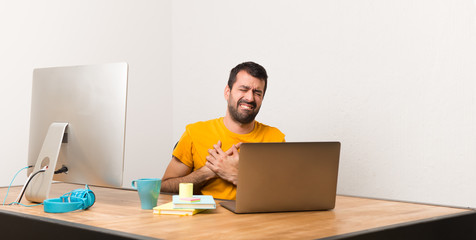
249,96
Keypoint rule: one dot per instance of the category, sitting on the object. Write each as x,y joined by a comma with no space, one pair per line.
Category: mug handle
134,184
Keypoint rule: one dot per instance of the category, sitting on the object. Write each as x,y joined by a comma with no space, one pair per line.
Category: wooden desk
117,214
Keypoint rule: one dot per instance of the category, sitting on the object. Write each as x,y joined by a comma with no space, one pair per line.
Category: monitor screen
89,103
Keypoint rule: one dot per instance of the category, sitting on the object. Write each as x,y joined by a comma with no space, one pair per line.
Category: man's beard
244,117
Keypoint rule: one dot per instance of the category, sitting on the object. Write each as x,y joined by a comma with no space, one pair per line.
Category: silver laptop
290,176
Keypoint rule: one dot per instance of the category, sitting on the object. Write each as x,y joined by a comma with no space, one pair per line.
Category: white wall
394,81
59,33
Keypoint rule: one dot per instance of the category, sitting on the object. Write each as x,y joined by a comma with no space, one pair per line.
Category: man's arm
177,172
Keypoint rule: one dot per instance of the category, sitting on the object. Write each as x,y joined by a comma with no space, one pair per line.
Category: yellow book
168,209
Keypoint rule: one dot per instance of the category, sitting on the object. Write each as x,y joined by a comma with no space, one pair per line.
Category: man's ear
227,92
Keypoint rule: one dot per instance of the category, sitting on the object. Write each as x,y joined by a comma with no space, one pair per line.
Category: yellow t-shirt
193,146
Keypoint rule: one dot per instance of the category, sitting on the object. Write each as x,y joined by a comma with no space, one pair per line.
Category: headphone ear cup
90,199
85,195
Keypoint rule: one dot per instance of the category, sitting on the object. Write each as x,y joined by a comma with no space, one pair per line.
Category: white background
394,81
61,33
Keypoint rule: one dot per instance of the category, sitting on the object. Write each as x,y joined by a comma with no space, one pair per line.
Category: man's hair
252,69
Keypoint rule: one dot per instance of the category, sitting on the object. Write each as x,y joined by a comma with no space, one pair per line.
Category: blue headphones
70,201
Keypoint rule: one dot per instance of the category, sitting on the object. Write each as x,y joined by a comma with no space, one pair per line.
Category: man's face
245,97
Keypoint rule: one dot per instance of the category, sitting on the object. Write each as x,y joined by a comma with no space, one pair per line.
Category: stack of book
186,206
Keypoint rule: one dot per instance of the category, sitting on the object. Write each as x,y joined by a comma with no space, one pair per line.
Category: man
207,153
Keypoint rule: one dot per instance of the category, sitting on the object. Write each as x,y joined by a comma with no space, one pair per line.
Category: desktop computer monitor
78,120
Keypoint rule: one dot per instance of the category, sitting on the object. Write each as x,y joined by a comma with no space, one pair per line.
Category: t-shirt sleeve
183,150
279,135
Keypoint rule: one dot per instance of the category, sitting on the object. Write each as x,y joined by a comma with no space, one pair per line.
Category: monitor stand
39,186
